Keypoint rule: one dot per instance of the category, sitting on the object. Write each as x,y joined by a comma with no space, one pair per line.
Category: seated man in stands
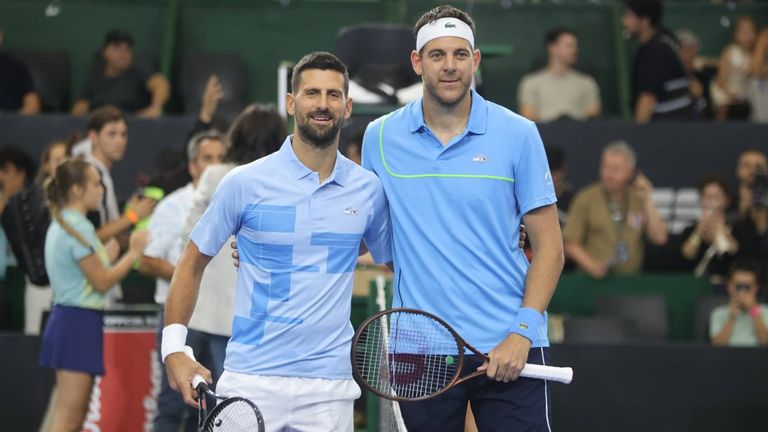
122,83
558,90
741,322
607,220
17,90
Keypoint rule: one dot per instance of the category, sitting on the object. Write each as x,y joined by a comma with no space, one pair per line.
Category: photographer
751,230
741,322
751,161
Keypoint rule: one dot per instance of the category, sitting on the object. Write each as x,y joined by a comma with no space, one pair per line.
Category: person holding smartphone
609,220
742,321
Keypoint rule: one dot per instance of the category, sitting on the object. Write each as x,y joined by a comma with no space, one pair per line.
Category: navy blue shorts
523,405
74,340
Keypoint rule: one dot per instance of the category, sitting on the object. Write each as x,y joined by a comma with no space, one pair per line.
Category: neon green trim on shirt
415,176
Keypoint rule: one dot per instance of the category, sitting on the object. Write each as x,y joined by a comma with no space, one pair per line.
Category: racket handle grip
197,380
551,373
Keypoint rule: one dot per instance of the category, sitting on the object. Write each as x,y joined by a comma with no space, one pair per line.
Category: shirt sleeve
717,320
161,231
593,93
533,181
222,217
79,250
370,145
87,92
378,233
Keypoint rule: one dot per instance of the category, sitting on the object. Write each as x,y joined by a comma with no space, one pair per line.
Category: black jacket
25,221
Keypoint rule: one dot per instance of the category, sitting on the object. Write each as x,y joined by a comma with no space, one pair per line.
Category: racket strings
407,355
234,415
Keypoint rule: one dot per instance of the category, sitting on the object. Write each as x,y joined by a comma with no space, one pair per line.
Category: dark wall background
673,155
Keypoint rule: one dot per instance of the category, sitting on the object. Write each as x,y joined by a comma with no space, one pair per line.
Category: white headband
442,28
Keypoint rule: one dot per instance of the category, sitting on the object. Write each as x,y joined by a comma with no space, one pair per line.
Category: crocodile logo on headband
450,25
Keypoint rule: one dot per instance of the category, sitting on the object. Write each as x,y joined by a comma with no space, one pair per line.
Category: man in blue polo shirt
299,216
460,174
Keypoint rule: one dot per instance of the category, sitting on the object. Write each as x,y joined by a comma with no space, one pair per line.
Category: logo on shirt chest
351,211
480,158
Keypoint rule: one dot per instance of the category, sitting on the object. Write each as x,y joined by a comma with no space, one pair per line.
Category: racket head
235,414
406,354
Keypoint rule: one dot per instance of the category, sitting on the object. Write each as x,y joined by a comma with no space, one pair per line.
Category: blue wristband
527,323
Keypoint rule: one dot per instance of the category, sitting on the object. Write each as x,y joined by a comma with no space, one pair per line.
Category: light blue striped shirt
298,242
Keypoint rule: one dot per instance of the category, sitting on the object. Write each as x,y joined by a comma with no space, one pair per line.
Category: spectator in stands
159,260
659,82
559,90
758,86
708,244
25,221
750,162
741,322
607,220
79,267
17,169
751,229
698,79
212,94
122,83
107,141
729,89
563,190
106,144
17,89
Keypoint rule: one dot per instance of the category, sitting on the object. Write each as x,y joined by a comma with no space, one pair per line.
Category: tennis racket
233,414
409,355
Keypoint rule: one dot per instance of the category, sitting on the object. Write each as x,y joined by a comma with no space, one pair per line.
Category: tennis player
460,173
299,216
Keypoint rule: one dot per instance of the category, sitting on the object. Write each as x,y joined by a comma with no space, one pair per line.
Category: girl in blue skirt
80,273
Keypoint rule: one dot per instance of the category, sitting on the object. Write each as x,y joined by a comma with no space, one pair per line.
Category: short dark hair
257,132
11,154
319,60
101,116
716,180
554,34
117,37
651,9
746,265
444,11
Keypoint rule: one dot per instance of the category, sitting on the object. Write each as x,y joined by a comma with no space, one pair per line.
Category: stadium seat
51,75
197,67
596,330
647,314
376,58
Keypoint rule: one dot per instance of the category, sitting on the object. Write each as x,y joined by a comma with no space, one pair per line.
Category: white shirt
165,233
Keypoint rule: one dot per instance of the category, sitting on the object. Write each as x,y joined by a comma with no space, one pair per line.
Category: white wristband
173,341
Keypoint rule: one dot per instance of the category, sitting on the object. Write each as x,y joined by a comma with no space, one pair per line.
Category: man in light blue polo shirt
460,174
299,216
